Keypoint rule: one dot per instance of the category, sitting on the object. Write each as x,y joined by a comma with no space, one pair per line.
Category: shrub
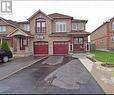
4,45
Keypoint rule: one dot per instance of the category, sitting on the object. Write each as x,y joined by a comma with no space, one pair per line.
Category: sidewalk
101,74
17,64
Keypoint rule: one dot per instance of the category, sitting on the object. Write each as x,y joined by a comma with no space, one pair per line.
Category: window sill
40,32
60,32
4,33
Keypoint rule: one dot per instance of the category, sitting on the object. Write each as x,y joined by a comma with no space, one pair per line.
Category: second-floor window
80,26
112,38
60,27
113,25
2,28
74,26
40,25
26,27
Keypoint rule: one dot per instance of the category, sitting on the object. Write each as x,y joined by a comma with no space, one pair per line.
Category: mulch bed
107,65
91,59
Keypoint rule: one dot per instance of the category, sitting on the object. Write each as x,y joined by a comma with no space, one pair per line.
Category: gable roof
100,26
39,11
23,22
18,31
10,22
108,21
58,15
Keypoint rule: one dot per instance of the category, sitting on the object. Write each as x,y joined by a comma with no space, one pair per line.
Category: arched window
40,25
113,25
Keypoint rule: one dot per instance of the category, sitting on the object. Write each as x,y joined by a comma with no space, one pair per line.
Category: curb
94,77
21,69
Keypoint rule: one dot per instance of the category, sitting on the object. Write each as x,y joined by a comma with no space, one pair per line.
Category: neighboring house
42,34
103,36
17,36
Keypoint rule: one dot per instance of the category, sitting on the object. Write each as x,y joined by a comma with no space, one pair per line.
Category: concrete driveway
31,80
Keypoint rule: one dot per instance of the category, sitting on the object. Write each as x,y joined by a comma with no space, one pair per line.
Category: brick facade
102,36
51,20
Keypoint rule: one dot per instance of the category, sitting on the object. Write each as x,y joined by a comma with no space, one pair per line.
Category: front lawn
103,56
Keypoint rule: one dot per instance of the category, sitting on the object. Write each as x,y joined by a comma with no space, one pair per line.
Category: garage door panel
41,48
60,48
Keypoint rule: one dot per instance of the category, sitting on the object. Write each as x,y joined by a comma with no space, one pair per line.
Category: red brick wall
99,37
110,34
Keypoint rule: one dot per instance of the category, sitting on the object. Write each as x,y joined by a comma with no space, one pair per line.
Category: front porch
79,42
20,43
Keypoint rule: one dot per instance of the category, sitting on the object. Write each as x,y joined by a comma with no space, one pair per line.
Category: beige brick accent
68,24
50,27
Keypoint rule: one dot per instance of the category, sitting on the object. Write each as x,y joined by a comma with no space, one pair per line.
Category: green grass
103,56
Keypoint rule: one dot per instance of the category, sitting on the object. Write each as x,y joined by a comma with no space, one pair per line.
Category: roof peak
59,15
39,11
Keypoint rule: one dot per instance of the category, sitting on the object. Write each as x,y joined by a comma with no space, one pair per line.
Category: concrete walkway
101,74
87,63
78,55
15,65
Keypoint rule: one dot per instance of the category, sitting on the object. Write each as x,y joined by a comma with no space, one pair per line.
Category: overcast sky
96,12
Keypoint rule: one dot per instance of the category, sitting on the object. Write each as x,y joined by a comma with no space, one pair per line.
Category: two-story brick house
103,36
42,34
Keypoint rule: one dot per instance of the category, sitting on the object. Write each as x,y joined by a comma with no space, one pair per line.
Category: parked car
5,55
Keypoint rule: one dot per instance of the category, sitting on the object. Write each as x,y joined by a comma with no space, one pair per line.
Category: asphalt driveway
31,80
16,64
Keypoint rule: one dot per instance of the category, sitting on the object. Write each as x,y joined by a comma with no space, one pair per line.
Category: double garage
59,47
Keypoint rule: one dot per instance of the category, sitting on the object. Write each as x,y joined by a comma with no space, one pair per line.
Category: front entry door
78,44
78,47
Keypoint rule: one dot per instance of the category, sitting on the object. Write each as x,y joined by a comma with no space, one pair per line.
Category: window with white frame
2,28
81,26
26,27
74,26
60,27
113,25
112,38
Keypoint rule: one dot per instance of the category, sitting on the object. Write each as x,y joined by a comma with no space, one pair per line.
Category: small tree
4,45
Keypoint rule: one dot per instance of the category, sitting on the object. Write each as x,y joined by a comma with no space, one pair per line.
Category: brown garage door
60,47
41,47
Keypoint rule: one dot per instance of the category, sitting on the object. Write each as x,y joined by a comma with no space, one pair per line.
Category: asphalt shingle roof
58,15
